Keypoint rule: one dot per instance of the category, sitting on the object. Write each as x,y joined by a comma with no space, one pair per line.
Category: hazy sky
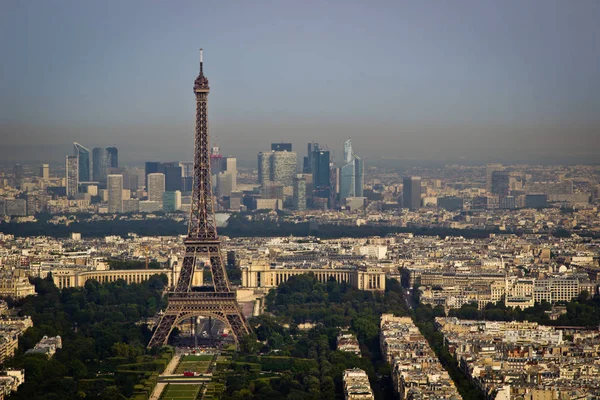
424,80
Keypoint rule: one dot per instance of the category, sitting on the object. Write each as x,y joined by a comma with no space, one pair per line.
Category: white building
156,187
114,184
373,251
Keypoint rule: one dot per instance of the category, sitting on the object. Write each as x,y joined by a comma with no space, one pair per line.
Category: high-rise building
152,167
140,179
114,185
281,147
321,173
223,170
264,168
130,179
187,169
112,157
18,173
351,174
224,184
72,175
278,167
99,164
500,183
411,192
489,170
187,184
171,201
156,187
83,156
173,172
45,171
284,167
231,168
308,160
299,194
271,191
173,176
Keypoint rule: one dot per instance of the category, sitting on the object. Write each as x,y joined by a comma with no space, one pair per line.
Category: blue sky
483,80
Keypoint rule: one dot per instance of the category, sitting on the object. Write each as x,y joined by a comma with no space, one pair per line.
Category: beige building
11,328
15,284
356,385
72,277
260,274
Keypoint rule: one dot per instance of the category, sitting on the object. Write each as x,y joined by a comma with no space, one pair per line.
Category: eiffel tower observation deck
202,244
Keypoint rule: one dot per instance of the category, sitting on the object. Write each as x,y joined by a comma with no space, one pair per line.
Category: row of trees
99,330
239,226
281,343
424,317
583,311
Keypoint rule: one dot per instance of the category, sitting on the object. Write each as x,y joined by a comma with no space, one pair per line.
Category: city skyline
405,214
506,82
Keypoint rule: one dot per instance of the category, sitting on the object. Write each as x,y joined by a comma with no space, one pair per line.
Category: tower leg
195,322
163,329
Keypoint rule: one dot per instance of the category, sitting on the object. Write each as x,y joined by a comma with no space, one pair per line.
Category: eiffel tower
201,243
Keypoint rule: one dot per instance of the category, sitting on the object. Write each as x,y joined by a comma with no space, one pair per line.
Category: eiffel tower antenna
201,244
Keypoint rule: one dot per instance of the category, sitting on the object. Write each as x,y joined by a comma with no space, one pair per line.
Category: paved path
158,389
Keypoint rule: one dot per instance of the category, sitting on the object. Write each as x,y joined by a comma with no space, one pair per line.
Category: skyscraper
224,184
45,171
72,175
18,173
187,168
351,179
299,194
173,172
156,187
114,184
284,167
99,164
151,167
130,179
307,166
83,156
112,156
223,170
231,169
411,192
321,173
278,167
173,176
489,169
264,168
281,147
500,183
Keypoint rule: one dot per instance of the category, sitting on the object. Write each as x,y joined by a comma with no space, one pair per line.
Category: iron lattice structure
201,244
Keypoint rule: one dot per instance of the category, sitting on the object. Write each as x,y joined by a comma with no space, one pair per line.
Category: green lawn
180,392
194,363
197,357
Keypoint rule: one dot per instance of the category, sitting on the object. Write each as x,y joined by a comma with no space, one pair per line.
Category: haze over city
299,200
467,81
